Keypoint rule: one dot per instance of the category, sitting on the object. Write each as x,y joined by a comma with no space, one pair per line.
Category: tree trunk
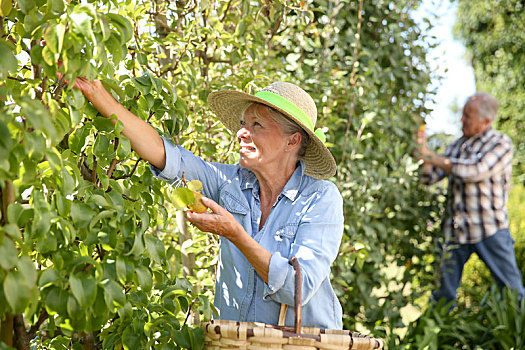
6,330
188,259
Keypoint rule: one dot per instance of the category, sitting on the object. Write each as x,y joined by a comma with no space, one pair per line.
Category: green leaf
122,269
47,243
55,7
18,215
155,249
102,145
9,254
103,124
99,200
100,217
26,5
181,197
6,140
77,140
56,300
5,8
73,307
9,61
28,270
126,312
68,184
38,117
13,231
130,340
138,244
16,291
124,148
123,25
183,337
81,23
54,37
145,278
197,339
49,56
84,289
116,48
81,214
60,343
113,294
48,277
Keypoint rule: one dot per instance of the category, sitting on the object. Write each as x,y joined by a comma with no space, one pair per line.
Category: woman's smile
261,139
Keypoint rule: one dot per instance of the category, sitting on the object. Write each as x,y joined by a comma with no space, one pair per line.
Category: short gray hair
288,126
487,105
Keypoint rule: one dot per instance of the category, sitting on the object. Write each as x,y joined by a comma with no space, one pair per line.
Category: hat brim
229,107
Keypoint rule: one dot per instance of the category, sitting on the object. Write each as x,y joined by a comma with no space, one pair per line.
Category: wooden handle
298,294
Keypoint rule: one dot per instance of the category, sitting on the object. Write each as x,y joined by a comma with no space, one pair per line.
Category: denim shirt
305,221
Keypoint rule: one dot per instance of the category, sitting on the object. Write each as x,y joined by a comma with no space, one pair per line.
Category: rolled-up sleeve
436,174
316,247
179,160
433,176
173,159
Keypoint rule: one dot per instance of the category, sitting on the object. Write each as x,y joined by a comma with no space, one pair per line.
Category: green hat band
292,109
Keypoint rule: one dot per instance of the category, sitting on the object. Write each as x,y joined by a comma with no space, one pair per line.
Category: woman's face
261,138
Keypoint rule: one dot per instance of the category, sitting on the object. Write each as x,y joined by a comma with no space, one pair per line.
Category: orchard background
92,253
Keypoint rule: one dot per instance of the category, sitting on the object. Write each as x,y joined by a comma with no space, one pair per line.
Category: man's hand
428,157
220,221
422,151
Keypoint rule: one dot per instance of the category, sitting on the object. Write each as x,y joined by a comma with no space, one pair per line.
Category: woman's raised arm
144,139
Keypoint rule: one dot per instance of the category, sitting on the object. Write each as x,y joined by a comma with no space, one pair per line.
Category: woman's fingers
220,221
210,203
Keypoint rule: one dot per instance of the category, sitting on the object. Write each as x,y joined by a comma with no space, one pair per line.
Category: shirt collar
486,135
248,179
290,190
483,137
293,185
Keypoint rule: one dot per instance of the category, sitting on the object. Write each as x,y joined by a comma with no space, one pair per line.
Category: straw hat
291,101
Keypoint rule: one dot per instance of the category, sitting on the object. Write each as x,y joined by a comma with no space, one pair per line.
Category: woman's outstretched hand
144,139
87,87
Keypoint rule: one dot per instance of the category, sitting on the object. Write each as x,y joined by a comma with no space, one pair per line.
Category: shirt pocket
284,238
233,204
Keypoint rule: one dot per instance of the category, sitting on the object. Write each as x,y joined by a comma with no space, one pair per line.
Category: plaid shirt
477,186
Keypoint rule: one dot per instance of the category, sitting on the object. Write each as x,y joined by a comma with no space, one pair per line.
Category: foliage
387,253
497,322
493,32
90,242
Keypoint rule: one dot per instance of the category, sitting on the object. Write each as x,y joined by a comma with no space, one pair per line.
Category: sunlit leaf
195,185
181,197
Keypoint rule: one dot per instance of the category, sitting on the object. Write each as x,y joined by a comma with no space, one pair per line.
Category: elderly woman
271,206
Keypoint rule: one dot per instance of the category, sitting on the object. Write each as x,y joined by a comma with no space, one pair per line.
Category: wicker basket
224,334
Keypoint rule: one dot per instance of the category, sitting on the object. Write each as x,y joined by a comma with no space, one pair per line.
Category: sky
448,60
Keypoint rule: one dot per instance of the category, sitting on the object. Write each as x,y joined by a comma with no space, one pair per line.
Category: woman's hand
220,221
88,87
144,139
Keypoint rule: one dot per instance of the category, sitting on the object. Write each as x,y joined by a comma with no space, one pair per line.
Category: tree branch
352,78
34,328
132,171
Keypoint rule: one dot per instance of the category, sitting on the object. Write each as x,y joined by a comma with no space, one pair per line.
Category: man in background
478,166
